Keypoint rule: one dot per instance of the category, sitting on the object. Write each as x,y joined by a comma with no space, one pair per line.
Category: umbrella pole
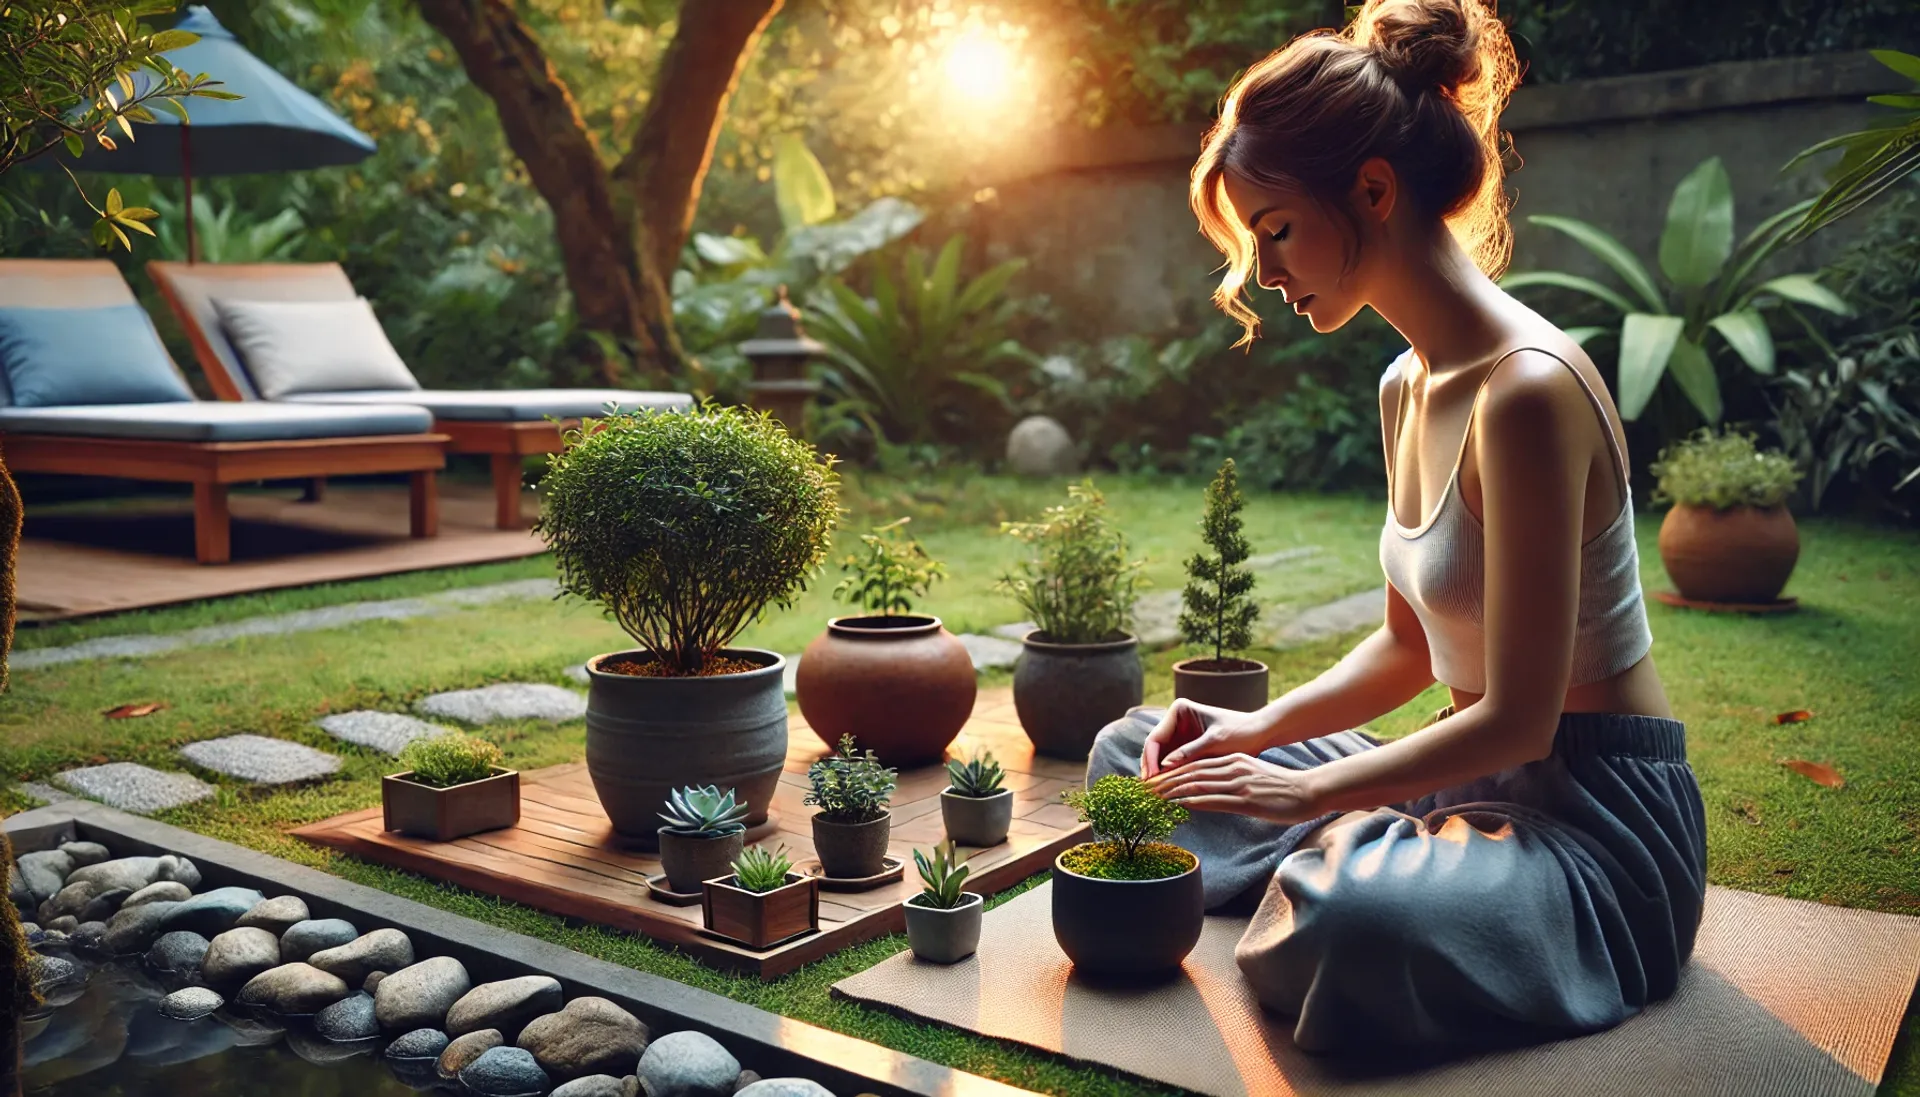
186,173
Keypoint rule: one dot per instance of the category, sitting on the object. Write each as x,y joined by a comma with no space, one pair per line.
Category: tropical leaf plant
1711,286
1872,159
227,234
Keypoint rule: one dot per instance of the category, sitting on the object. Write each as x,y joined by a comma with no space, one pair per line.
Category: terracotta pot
1127,927
944,936
688,859
977,820
852,850
1065,693
1237,684
1740,555
902,686
761,919
456,811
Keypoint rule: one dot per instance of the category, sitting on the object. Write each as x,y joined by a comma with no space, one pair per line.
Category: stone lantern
780,351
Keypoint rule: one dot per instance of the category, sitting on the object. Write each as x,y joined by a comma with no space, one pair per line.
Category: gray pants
1552,899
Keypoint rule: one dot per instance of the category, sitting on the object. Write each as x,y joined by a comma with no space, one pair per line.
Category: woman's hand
1241,784
1191,731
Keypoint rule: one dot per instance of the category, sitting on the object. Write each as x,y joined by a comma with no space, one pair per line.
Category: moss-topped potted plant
977,811
1079,669
851,829
1729,539
896,680
762,902
1217,607
1128,903
943,921
684,527
704,831
453,786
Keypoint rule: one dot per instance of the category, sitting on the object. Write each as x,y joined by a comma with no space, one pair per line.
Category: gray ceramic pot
944,936
688,860
648,736
977,820
1065,693
1237,684
1127,927
852,850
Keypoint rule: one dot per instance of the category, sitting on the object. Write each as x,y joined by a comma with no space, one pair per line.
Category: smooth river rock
133,929
45,872
419,996
215,911
180,951
506,1005
85,853
505,1072
422,1044
169,891
91,936
276,916
463,1050
190,1003
590,1036
303,939
596,1085
238,955
101,898
349,1019
134,873
688,1064
386,950
293,990
785,1087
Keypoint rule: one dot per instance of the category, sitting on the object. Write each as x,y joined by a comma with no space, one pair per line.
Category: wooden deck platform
564,858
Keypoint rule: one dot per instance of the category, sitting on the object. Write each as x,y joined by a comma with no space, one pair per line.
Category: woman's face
1301,251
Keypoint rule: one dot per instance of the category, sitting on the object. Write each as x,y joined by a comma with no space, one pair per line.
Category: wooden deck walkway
564,858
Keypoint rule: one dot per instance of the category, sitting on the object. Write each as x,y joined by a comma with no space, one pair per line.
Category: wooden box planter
444,814
761,919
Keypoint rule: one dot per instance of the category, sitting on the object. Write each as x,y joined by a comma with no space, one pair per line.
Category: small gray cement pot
1237,684
689,860
977,820
850,851
1127,927
1065,693
944,936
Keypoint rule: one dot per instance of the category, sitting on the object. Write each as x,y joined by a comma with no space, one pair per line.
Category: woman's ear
1376,189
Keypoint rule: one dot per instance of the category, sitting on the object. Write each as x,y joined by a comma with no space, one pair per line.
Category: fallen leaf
1794,717
1817,772
128,712
1750,813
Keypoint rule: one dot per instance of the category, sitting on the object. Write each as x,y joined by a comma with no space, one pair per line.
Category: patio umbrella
275,127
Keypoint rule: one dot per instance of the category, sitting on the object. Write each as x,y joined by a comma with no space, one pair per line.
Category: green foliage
893,567
759,871
1872,159
227,233
978,777
684,527
1315,437
1108,861
10,515
1711,285
1723,471
1217,608
453,758
1078,585
703,811
943,876
850,787
1125,812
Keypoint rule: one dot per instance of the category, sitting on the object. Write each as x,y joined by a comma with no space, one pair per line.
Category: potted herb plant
1128,903
976,810
896,680
453,786
1729,538
1217,610
762,902
943,922
704,832
1079,669
684,527
851,829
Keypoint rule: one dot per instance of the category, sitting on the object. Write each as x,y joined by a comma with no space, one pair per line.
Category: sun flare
979,67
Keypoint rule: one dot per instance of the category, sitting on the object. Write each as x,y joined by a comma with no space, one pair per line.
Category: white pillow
312,346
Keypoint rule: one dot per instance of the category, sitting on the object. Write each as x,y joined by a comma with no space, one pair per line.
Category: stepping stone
388,732
46,794
259,759
790,674
1267,560
990,652
507,701
1015,632
130,786
1366,609
578,672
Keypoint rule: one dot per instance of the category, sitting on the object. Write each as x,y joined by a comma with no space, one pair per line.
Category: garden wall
1103,217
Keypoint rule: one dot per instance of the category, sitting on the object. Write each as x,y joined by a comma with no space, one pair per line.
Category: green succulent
977,777
454,758
704,812
943,875
759,871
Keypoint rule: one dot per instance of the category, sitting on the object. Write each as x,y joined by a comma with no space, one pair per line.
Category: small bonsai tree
891,571
1216,608
1078,586
704,812
454,758
943,877
758,871
977,777
684,527
850,787
1129,820
1723,471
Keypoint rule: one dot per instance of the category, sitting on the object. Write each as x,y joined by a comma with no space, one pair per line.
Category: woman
1532,863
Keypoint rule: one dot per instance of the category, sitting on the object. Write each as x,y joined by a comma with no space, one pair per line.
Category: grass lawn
1847,656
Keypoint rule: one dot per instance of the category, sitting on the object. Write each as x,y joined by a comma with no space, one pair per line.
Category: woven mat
1783,997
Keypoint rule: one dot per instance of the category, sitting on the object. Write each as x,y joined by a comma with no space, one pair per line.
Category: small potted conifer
943,922
976,810
851,829
762,902
704,832
1128,903
453,786
1217,610
1729,539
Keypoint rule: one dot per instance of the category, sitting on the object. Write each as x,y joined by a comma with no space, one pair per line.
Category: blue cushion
194,421
72,357
509,405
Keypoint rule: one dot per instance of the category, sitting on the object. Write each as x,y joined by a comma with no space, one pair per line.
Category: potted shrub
943,922
896,680
453,786
851,828
1079,669
703,834
1729,538
1128,903
1217,610
762,902
976,810
684,527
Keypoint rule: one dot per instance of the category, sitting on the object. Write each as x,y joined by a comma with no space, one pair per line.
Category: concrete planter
1237,684
852,850
761,919
944,936
1127,927
901,685
443,814
977,820
1740,556
688,860
648,736
1065,693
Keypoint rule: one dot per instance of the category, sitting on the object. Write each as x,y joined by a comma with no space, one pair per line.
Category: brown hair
1420,83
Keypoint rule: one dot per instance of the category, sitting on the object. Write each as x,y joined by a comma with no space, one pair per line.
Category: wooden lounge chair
504,424
209,445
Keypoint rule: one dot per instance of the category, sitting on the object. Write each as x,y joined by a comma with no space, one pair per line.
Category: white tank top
1440,569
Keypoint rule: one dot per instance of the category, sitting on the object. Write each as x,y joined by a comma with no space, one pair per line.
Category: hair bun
1424,44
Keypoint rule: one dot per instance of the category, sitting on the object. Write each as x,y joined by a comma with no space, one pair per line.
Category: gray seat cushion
206,421
509,405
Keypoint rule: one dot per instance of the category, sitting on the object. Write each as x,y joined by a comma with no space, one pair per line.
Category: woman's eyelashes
1280,236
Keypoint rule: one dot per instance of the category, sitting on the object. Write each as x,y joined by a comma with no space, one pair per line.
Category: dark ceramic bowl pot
1127,927
977,820
1065,693
901,685
1237,684
688,860
944,936
851,851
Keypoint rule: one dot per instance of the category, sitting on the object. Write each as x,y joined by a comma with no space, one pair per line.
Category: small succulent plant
977,777
943,877
759,871
703,811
